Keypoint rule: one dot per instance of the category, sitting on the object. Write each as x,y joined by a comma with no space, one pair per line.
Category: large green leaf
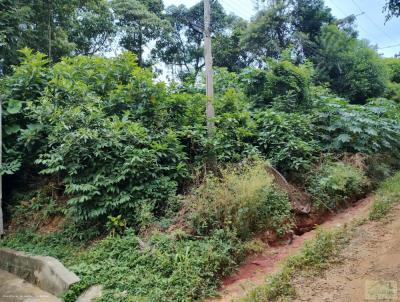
11,129
14,106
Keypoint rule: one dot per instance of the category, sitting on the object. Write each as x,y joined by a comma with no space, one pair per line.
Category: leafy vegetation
334,183
110,161
243,201
387,196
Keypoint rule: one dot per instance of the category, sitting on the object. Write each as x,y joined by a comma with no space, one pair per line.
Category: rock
91,294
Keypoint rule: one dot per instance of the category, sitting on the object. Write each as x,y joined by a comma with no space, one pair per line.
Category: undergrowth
244,200
334,183
314,256
387,196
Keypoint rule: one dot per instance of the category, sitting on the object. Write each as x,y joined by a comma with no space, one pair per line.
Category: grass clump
167,267
334,183
314,256
244,200
387,196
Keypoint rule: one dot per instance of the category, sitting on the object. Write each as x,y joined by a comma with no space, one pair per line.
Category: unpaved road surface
369,270
14,289
255,269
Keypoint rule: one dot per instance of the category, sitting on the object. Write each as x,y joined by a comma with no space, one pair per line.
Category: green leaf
344,138
14,106
11,129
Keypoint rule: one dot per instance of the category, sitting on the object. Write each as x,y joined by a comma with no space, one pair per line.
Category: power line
391,46
371,20
235,10
346,14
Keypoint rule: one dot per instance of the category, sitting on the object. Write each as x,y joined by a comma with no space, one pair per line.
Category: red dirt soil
256,268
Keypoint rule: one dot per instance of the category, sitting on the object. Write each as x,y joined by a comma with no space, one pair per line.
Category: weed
314,256
336,182
387,195
244,201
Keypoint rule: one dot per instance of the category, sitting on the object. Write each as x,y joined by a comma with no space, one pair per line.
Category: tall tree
352,68
228,51
92,27
56,28
181,47
139,23
269,33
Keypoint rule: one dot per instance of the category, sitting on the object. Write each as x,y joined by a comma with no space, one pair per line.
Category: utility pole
210,113
1,177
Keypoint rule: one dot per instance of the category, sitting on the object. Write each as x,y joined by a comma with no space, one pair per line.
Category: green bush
333,183
243,201
235,127
393,65
393,92
99,118
110,166
286,139
17,91
368,129
282,85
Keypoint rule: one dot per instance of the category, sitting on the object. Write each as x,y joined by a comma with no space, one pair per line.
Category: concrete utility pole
209,68
1,177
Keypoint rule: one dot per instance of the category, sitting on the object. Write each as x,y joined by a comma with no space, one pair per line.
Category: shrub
368,129
110,166
393,65
235,128
17,91
243,201
333,183
393,92
286,139
387,196
282,85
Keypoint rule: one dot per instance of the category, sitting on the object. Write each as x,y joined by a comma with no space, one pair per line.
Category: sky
370,24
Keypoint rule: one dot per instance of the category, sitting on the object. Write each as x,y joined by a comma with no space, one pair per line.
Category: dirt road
253,272
369,270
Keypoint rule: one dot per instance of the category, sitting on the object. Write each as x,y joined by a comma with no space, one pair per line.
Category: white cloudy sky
371,24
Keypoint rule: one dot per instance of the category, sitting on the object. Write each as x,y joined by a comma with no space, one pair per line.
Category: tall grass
243,200
387,196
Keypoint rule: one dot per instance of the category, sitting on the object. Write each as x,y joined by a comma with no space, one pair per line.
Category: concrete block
47,273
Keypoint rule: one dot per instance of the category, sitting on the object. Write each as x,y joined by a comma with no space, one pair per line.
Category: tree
392,8
139,23
269,33
286,23
181,46
92,27
228,52
307,18
56,28
351,67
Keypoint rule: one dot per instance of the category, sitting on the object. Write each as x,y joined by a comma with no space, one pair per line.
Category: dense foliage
103,145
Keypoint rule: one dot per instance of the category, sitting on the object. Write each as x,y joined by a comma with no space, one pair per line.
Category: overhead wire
371,20
235,9
345,14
